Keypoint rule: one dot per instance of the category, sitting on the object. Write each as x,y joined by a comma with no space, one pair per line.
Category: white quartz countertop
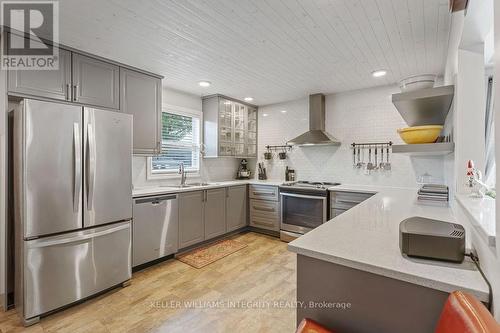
366,237
481,212
166,189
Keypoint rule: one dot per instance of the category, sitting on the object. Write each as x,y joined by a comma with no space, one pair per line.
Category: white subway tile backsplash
358,116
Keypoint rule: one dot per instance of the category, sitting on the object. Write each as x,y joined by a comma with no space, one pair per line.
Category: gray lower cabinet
54,84
264,207
215,212
191,224
236,207
95,82
155,228
140,96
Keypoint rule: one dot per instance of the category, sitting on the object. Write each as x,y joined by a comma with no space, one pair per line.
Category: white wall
465,68
3,182
469,114
215,169
359,116
495,257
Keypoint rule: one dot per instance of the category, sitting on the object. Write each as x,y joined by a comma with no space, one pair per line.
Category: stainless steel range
304,206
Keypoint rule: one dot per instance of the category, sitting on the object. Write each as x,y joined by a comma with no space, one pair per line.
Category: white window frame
182,111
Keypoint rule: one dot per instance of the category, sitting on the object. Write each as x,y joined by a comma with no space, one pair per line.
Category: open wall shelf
426,149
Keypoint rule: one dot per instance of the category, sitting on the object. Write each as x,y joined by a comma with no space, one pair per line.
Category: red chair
462,313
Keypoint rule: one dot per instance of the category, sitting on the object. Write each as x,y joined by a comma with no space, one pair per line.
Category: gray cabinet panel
54,84
95,82
191,225
215,212
140,96
227,131
236,207
265,214
264,192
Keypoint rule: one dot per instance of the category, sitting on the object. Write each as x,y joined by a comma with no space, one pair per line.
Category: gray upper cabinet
191,224
53,84
95,82
230,127
236,207
215,212
140,96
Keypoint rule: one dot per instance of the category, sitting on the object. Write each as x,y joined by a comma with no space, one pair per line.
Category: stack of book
433,192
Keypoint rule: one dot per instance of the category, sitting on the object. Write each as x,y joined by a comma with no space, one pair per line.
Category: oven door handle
303,196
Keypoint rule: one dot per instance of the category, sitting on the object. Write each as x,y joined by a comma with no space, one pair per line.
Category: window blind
180,141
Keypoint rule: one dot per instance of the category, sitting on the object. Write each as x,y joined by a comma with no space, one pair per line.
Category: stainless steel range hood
316,135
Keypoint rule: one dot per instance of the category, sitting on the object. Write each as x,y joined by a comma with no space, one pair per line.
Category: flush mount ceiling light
248,99
283,111
204,83
379,73
264,115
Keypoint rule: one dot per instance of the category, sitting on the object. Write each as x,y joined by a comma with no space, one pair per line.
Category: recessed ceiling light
204,83
379,73
248,99
265,115
283,111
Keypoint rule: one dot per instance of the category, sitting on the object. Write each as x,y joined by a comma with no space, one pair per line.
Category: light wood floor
262,272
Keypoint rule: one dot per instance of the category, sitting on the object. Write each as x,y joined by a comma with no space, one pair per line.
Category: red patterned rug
208,254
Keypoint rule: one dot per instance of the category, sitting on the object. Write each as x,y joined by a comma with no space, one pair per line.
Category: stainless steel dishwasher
155,228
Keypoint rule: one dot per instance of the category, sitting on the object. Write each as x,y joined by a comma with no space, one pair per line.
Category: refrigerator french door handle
46,243
77,174
91,167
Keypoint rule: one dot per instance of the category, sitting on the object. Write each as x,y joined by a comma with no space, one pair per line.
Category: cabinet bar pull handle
75,92
263,193
67,92
265,209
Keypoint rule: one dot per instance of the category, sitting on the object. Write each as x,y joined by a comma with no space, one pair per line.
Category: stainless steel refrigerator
73,204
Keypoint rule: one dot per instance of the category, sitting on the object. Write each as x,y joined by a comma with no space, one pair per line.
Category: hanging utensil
376,158
354,156
382,164
369,166
359,165
388,164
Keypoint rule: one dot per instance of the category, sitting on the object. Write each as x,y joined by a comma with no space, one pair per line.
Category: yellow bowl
420,134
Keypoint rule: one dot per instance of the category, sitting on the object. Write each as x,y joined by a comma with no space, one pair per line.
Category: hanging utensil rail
283,147
364,144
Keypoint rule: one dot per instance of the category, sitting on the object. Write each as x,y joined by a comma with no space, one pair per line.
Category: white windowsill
481,212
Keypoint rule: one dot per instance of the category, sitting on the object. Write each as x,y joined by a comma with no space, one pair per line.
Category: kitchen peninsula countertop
366,238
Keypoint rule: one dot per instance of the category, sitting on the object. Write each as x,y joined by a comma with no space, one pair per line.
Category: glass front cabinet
229,127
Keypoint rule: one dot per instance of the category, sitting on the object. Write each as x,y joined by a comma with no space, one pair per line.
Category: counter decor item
262,172
433,192
420,134
475,182
289,175
243,172
432,239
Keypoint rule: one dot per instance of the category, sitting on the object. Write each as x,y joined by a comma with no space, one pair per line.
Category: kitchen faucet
182,172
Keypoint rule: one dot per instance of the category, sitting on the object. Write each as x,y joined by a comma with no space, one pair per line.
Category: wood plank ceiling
272,50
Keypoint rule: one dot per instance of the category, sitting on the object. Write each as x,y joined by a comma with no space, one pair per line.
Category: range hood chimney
316,135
